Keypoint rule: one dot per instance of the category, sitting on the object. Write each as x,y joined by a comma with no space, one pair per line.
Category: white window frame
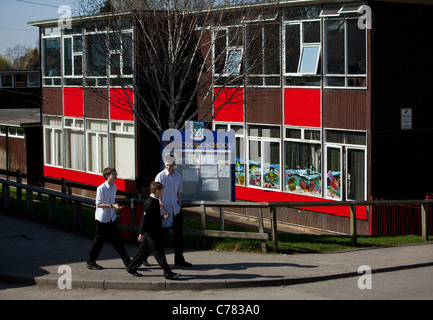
346,76
53,125
77,125
344,146
262,140
96,150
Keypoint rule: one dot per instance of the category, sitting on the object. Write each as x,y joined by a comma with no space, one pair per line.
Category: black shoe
172,276
183,263
135,274
146,264
93,266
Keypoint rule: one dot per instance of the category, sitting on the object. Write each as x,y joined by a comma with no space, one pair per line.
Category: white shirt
172,186
105,194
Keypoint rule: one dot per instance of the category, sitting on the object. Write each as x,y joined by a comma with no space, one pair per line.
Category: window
96,55
34,80
263,54
21,80
7,81
51,60
122,144
74,144
302,52
53,140
346,165
264,156
73,56
345,53
97,145
16,133
240,150
303,161
120,45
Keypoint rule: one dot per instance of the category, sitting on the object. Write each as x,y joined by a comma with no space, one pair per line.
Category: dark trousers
155,245
177,228
110,231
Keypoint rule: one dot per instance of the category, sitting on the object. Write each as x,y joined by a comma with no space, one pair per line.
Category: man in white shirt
171,205
105,217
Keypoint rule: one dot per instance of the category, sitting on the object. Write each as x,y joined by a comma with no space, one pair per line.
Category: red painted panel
229,104
86,178
302,107
261,195
74,102
121,104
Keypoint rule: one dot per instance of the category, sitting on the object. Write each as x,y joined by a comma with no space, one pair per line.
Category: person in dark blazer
151,235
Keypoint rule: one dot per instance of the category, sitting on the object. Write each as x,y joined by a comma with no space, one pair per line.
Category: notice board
205,162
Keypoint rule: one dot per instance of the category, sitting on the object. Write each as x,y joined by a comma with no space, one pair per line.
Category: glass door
334,172
355,174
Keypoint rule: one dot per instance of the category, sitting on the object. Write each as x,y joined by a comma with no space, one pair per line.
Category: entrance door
355,174
334,172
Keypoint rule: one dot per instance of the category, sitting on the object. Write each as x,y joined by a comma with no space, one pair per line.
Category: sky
14,15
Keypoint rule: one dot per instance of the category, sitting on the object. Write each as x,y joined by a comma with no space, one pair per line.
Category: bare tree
180,48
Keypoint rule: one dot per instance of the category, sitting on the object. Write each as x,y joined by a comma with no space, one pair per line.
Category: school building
333,103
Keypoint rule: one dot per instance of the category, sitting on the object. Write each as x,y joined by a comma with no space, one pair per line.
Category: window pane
21,80
254,46
255,163
34,80
271,165
293,45
272,49
220,51
333,170
311,32
234,60
78,44
125,166
115,65
127,53
67,49
303,168
335,47
7,80
240,162
52,57
74,144
309,59
356,48
355,174
96,55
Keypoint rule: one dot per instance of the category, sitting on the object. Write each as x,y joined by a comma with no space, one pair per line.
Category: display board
205,162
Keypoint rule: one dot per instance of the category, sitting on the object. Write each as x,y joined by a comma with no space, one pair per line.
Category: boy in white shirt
105,217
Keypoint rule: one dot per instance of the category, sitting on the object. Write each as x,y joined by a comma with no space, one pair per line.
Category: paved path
32,253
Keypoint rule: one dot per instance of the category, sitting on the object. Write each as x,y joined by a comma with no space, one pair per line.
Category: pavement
34,254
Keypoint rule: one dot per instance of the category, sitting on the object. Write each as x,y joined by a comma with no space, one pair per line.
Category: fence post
29,203
273,211
133,215
19,180
353,224
6,196
51,208
424,222
261,227
77,216
221,219
203,215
